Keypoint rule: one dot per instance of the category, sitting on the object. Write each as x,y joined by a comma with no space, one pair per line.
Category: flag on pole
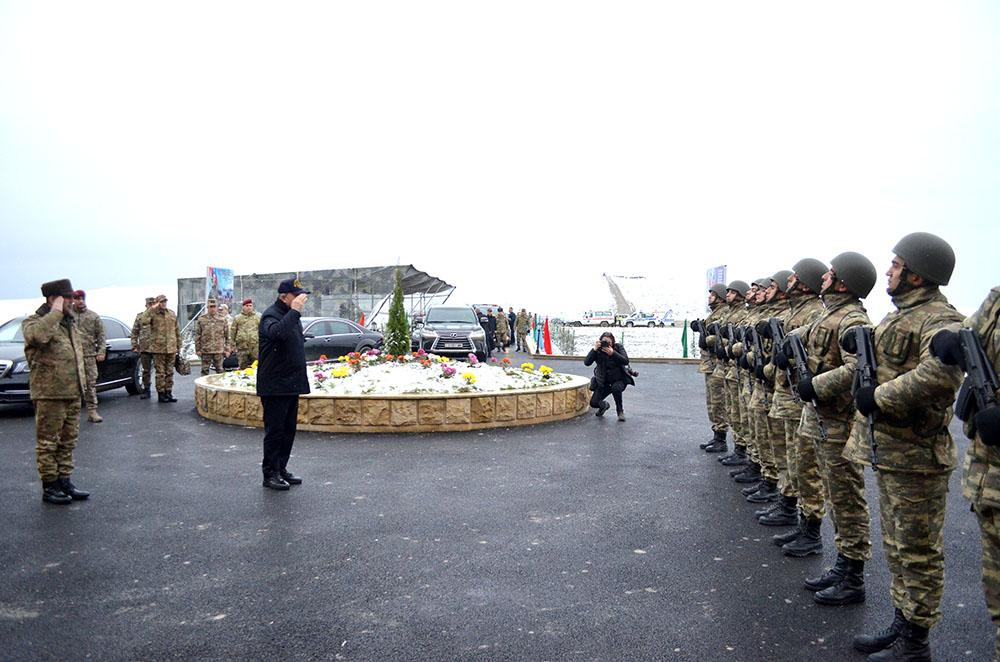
684,339
362,322
547,337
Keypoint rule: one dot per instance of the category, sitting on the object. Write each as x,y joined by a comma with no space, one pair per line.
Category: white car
594,318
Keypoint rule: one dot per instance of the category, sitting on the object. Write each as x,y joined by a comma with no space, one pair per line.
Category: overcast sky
517,150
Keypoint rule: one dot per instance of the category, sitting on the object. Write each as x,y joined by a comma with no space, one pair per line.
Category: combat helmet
719,289
856,272
927,255
810,271
781,278
739,286
763,283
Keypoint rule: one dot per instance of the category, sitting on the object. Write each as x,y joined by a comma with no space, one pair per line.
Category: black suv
119,368
450,331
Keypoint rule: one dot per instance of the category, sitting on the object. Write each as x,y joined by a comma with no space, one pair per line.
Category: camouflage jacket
708,359
211,334
761,312
833,369
54,351
523,323
140,334
981,484
243,331
727,313
162,329
503,325
91,329
802,310
915,392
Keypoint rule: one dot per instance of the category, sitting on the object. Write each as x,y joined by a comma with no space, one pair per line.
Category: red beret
246,301
79,294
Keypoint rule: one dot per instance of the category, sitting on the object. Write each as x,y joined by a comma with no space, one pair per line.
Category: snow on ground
639,342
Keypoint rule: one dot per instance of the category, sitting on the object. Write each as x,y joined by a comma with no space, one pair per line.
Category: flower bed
374,372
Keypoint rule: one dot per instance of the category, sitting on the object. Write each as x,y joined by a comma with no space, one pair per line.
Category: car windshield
11,331
451,315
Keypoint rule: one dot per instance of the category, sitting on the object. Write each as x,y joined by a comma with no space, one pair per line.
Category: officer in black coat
281,379
611,374
484,321
511,319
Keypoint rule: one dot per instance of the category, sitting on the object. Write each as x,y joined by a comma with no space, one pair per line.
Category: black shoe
747,491
716,436
144,394
767,511
717,446
601,408
161,396
785,515
808,542
767,493
170,397
751,475
69,489
621,417
290,478
737,459
52,493
910,646
831,577
849,590
275,482
884,638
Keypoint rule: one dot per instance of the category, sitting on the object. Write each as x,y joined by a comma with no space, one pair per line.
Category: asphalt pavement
583,540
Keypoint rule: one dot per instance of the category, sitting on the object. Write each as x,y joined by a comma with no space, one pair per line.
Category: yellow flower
443,359
341,371
250,372
527,367
254,364
469,377
545,370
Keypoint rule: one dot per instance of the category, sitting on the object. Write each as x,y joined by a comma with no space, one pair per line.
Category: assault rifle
859,340
794,349
775,330
979,388
715,330
758,349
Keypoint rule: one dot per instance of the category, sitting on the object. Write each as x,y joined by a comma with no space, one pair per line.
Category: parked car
119,368
594,318
450,331
334,336
649,319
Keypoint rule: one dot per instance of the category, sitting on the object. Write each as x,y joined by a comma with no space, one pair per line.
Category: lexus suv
450,331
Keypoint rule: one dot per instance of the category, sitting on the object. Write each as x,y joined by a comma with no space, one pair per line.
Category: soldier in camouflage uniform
91,329
140,345
243,334
733,312
981,482
503,330
714,386
851,278
210,338
164,344
803,470
912,406
54,350
521,326
747,454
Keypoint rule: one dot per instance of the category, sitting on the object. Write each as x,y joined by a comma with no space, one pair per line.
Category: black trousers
280,414
614,389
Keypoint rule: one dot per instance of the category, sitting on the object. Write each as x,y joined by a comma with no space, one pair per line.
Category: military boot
767,493
771,507
70,490
849,590
738,458
170,397
910,646
884,638
93,416
717,436
747,491
829,578
750,475
52,493
718,445
808,542
787,514
161,396
144,394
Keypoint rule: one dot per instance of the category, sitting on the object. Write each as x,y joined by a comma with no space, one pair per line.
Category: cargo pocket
896,347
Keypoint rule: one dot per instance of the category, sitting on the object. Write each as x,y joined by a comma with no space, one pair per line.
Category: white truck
594,318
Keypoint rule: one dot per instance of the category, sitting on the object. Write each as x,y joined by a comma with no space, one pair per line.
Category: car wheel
364,348
628,323
604,324
134,387
660,325
577,324
651,324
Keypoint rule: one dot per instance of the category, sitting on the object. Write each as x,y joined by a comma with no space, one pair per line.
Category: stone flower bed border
426,412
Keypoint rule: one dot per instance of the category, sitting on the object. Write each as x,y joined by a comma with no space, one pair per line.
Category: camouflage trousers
803,470
522,341
57,427
246,357
715,402
913,538
90,372
735,412
843,485
762,436
146,361
750,406
989,527
779,451
211,361
164,364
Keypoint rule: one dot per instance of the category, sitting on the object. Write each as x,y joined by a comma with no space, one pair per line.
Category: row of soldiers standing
803,433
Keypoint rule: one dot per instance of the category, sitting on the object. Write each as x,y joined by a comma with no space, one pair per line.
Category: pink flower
493,359
472,359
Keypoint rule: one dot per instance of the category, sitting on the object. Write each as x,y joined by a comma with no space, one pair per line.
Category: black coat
609,369
512,319
281,368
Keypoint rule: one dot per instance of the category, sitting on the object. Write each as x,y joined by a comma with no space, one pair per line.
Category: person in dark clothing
611,374
511,320
484,321
281,379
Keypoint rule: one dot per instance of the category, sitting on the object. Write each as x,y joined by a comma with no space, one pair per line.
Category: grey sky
516,150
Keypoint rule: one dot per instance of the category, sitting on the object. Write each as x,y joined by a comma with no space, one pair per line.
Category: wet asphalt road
584,540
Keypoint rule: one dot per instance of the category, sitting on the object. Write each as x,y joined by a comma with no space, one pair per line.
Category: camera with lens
605,342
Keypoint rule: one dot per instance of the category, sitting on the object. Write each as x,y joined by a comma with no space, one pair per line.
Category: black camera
605,342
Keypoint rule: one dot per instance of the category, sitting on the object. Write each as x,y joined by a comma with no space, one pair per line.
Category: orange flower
322,357
390,357
506,361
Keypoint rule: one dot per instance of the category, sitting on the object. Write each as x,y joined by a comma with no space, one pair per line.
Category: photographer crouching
611,374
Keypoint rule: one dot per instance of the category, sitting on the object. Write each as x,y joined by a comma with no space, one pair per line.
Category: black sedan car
333,337
119,368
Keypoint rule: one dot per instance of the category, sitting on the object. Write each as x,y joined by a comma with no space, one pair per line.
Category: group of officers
812,394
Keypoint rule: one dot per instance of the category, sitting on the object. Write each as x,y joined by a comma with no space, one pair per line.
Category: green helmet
719,289
927,255
856,271
810,271
763,283
781,279
738,286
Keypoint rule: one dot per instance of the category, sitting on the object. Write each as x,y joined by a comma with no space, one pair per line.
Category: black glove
764,329
849,343
946,346
780,359
987,424
694,324
743,362
864,398
806,391
720,351
701,341
759,372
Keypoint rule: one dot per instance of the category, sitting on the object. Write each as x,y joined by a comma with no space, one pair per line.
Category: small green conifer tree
397,331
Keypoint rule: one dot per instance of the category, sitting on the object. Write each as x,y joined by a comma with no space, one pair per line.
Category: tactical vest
823,348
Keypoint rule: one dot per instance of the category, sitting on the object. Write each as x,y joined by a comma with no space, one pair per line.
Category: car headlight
20,367
429,333
478,335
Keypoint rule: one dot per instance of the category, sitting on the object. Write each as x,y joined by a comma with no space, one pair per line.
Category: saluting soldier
164,344
521,326
210,338
912,406
140,345
54,350
243,334
715,398
91,329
